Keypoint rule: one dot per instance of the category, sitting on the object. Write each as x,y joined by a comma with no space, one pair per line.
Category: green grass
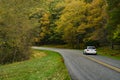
43,65
106,51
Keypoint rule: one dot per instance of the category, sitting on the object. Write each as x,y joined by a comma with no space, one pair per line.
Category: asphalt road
80,67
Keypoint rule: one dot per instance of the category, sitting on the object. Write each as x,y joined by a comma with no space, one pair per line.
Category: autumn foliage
76,23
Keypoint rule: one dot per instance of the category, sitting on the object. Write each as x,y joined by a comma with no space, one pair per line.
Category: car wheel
96,54
84,53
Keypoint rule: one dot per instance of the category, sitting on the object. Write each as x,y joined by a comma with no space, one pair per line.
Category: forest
77,23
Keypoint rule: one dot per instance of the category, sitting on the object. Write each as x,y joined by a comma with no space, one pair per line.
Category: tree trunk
112,45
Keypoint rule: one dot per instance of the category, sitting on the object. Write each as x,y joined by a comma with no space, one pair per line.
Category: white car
90,50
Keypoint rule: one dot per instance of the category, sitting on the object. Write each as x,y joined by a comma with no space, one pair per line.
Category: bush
14,45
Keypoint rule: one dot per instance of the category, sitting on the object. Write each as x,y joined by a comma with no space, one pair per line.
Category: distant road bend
88,67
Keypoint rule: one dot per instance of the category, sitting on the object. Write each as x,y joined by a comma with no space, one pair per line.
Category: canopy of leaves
114,18
84,21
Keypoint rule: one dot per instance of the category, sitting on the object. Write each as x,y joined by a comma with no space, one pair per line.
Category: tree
15,31
113,20
45,19
96,21
116,35
71,18
87,19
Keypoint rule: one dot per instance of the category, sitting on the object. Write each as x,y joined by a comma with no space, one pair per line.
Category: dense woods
77,23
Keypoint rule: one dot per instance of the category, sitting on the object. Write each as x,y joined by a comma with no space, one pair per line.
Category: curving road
82,67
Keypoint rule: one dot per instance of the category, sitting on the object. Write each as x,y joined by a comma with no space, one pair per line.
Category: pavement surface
88,67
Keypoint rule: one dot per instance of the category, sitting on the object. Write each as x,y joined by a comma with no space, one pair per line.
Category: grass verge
65,46
43,65
106,51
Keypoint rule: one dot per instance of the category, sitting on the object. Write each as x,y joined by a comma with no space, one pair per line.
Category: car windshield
90,47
